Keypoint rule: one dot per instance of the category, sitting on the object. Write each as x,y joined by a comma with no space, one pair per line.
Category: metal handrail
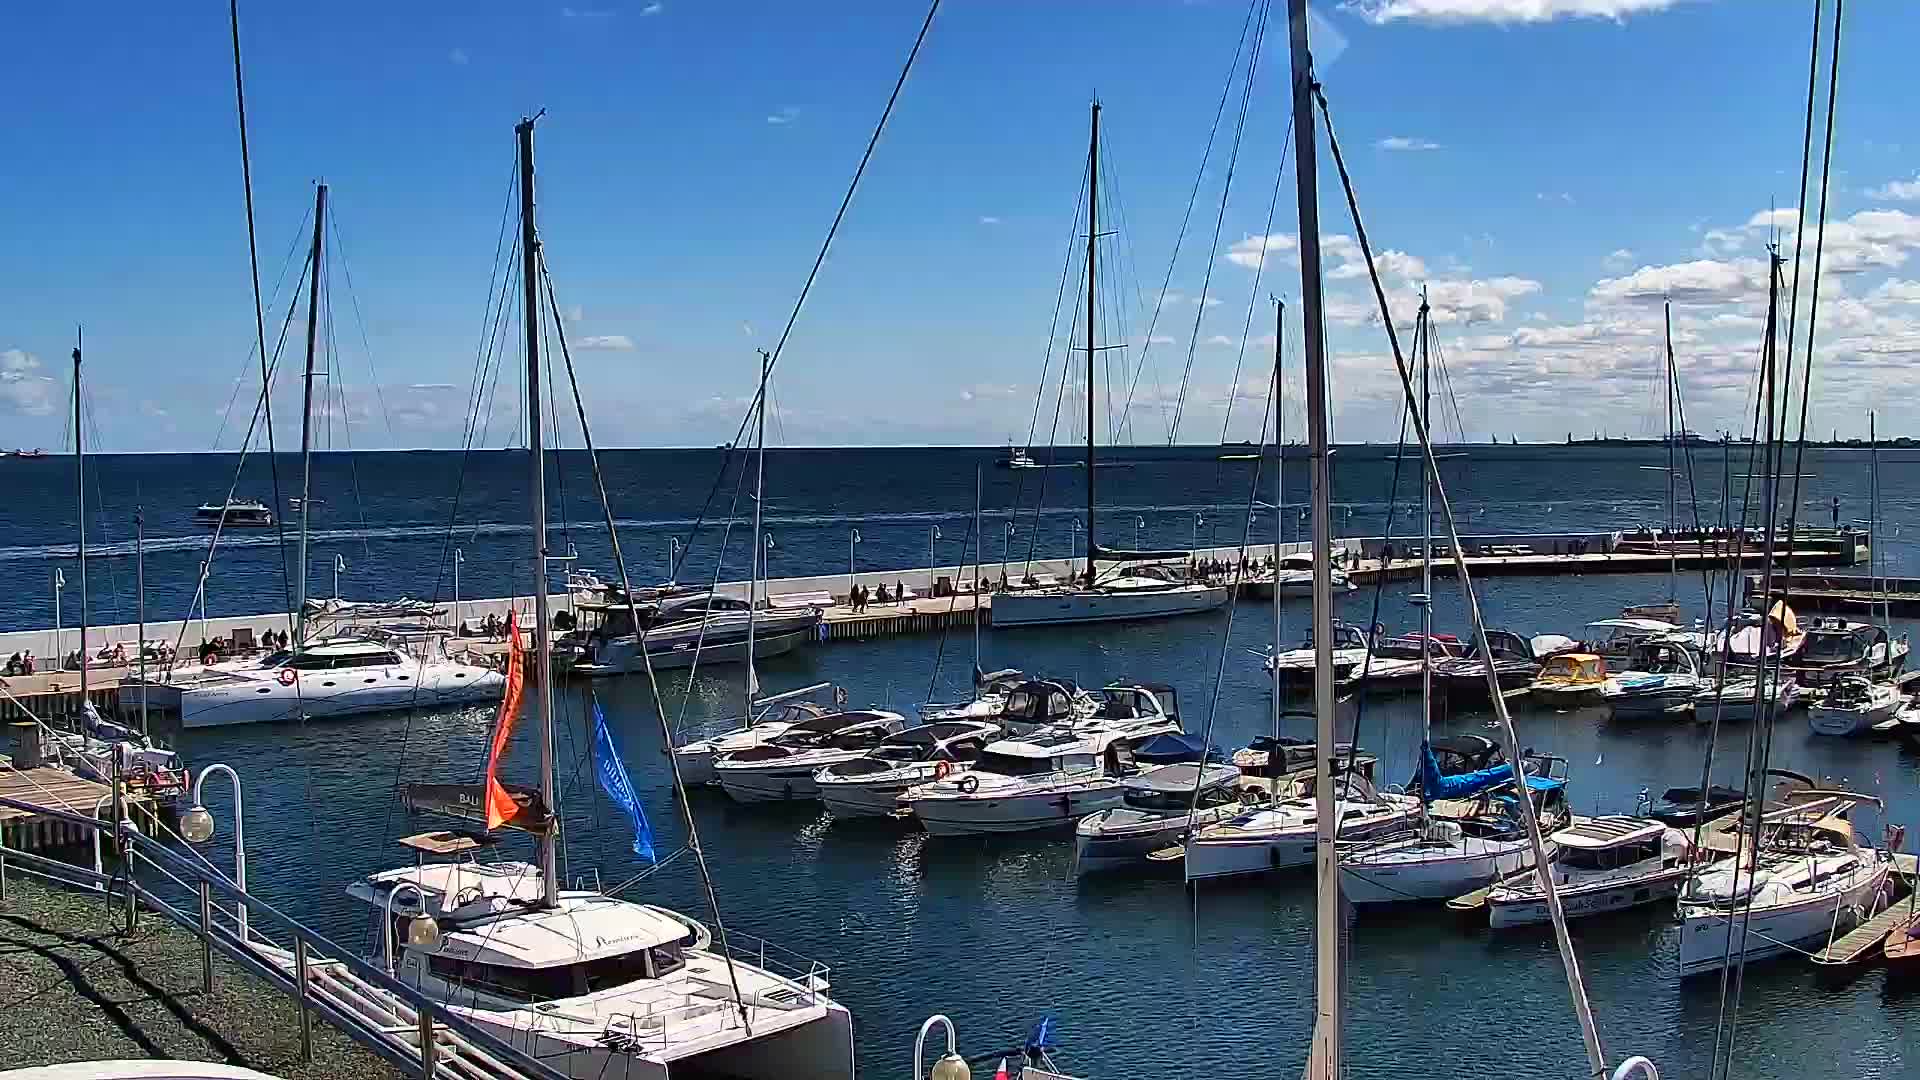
210,880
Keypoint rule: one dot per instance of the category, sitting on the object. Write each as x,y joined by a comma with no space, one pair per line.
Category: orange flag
500,805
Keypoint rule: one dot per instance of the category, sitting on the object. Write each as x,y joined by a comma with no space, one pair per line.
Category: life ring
288,676
942,769
969,784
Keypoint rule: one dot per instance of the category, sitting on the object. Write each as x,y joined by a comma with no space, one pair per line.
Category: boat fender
942,769
969,784
287,676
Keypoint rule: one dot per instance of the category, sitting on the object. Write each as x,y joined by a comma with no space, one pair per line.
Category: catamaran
587,983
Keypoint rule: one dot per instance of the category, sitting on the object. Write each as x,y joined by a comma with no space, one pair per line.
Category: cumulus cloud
1897,190
23,389
786,114
1896,291
1702,281
1253,251
1406,143
1618,259
1501,11
619,342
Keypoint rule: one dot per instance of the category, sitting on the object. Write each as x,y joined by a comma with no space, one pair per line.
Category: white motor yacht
1130,592
1294,667
871,785
1157,808
1810,882
1615,640
782,768
1280,834
1048,779
1293,576
1853,705
696,757
1735,696
1661,680
708,626
328,678
1022,705
1601,864
599,986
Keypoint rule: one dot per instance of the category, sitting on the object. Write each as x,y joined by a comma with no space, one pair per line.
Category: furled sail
501,804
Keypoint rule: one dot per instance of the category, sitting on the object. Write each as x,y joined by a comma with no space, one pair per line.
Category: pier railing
394,1020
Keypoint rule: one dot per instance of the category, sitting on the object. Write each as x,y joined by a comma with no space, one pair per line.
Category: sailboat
356,671
1137,585
588,983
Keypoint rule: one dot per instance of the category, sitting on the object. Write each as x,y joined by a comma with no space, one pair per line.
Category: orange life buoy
287,676
941,769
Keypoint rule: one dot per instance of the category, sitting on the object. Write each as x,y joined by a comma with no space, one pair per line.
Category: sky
1550,171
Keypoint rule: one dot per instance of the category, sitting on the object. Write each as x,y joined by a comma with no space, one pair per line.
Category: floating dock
1856,593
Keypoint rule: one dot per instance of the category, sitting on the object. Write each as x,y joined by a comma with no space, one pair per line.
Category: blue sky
1548,168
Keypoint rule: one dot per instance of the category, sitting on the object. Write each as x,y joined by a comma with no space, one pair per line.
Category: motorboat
1660,680
1569,679
1279,834
696,757
1853,705
235,514
781,769
1293,668
870,785
1835,647
1682,807
1292,575
1017,457
1046,779
1025,705
350,674
1512,657
709,627
1398,661
1158,807
1463,849
990,691
596,985
1146,591
1600,864
1806,882
1616,640
1737,700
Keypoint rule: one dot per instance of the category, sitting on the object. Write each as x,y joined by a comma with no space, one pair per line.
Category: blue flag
613,780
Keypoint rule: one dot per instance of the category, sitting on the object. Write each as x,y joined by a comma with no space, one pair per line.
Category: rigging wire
1219,219
286,263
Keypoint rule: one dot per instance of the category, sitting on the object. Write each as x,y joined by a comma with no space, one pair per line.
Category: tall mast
1673,391
80,488
1279,506
1324,1059
306,410
1093,231
140,604
977,538
1426,532
537,456
759,541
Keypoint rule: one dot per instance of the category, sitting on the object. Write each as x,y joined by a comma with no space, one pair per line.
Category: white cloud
23,390
786,115
1618,259
1554,196
989,219
574,314
1895,291
1406,143
619,342
652,9
1220,339
1254,250
458,56
1702,281
1159,339
1501,11
431,386
1897,190
586,13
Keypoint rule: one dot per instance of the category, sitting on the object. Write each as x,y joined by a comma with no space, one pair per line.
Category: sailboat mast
1426,530
977,538
1093,232
1324,1059
756,564
1673,391
140,604
537,456
306,410
1279,508
80,489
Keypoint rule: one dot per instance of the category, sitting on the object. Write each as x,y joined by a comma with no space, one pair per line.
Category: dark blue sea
1143,977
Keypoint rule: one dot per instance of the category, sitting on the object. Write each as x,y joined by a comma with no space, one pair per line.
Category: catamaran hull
613,659
1704,937
1285,850
1411,881
817,1042
337,693
1055,608
1015,813
1578,900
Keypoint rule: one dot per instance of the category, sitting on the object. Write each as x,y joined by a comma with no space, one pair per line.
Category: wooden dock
50,788
1863,941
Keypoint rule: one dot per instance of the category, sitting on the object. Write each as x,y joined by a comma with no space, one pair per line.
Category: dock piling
206,937
300,981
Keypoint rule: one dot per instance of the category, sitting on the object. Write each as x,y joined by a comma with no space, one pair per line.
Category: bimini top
1181,778
1606,832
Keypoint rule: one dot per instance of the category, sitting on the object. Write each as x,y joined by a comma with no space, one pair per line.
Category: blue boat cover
1169,749
1459,786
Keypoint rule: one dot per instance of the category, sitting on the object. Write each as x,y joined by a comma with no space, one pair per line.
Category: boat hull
875,799
1396,881
1283,850
785,784
1651,706
1592,899
1773,931
618,658
1058,608
1848,723
235,699
1013,813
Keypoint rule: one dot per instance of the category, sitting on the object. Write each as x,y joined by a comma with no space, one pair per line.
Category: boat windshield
1836,646
1013,764
563,980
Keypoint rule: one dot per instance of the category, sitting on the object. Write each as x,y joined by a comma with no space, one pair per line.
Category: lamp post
950,1065
339,564
59,585
126,823
1005,550
1138,524
933,534
423,930
673,559
1198,520
196,826
1075,546
853,537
